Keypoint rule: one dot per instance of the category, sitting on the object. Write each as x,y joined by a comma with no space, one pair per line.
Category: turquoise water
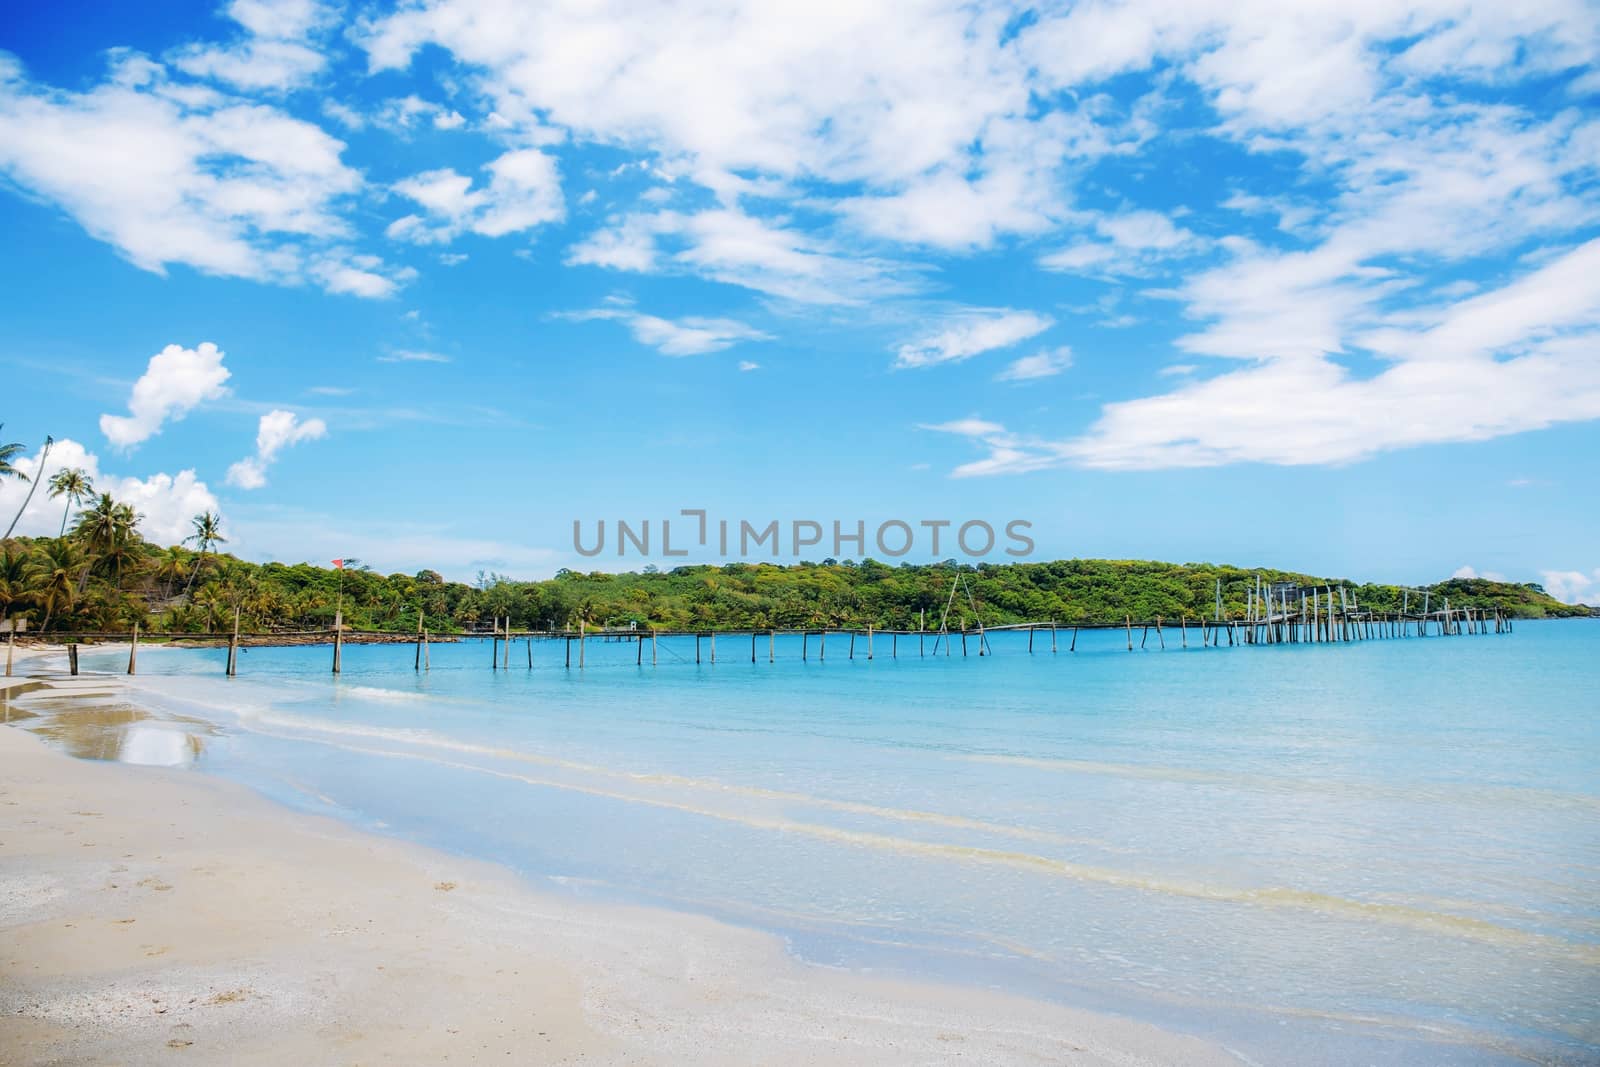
1381,852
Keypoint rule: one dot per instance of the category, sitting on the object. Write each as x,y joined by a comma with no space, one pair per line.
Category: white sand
157,916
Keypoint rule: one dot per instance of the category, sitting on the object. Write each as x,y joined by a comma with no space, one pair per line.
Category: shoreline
152,910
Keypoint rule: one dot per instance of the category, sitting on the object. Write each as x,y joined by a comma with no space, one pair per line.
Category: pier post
505,660
1183,623
11,647
1127,620
638,656
652,646
530,651
1030,640
417,662
1052,636
822,645
963,641
583,641
1144,635
713,648
697,648
427,660
1159,636
852,653
233,645
869,641
133,650
805,643
752,646
922,625
338,642
894,645
772,646
568,639
72,658
494,643
1074,647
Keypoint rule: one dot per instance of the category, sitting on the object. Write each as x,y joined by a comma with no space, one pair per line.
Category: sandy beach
163,916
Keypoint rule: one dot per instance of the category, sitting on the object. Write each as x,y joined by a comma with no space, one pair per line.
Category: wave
1323,904
430,739
1491,794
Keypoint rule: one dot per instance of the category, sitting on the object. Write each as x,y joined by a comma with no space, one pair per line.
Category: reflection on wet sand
95,725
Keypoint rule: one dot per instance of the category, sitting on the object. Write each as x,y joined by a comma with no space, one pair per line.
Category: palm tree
6,469
74,484
8,453
125,524
96,531
172,567
207,534
53,577
13,578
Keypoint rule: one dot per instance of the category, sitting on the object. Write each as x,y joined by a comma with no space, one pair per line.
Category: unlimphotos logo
776,538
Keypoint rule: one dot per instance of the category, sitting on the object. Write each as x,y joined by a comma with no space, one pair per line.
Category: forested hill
68,586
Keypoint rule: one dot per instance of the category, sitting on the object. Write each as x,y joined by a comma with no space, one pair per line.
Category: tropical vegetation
101,575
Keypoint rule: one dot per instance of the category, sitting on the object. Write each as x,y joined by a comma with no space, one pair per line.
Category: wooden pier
1272,616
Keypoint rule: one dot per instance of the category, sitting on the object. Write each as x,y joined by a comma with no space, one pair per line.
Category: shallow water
1385,852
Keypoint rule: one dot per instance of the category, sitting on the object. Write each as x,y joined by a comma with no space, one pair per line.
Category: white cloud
175,381
165,502
970,332
689,336
1572,587
624,244
939,139
172,174
733,246
359,275
1466,571
737,88
1129,242
274,54
406,355
1516,358
276,431
1045,364
523,191
278,19
276,65
973,427
747,365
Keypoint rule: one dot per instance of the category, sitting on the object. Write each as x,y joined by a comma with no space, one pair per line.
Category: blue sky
1316,288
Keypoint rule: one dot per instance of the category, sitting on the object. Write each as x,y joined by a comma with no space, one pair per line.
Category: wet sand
164,916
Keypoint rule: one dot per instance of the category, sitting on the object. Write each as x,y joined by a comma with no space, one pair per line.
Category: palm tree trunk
64,513
33,483
189,585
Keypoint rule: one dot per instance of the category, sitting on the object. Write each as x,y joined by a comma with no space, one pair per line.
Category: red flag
338,564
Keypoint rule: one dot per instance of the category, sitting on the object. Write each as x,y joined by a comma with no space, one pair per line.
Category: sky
1313,286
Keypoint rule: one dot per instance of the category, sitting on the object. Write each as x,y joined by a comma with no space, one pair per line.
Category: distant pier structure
1275,613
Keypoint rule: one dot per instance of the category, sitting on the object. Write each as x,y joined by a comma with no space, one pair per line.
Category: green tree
74,484
9,452
107,530
13,578
207,534
53,577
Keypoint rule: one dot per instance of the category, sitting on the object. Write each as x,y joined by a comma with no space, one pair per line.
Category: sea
1385,851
